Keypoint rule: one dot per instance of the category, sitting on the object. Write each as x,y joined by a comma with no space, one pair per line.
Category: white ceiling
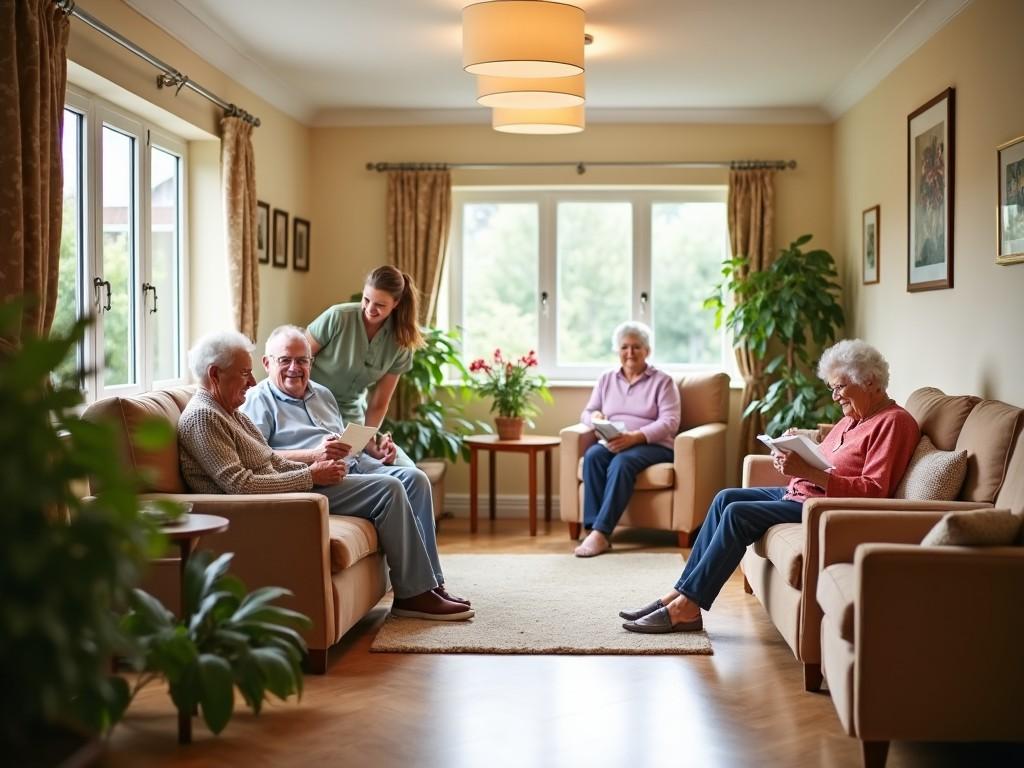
346,62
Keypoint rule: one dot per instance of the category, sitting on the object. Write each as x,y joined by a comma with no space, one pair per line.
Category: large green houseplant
785,314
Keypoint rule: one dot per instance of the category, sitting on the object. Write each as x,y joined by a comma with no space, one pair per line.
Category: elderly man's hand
626,440
332,449
385,451
328,472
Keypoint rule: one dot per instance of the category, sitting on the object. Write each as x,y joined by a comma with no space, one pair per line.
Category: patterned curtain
33,77
419,216
751,222
238,177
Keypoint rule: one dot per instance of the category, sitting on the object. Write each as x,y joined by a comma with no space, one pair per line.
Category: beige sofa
782,568
670,496
331,564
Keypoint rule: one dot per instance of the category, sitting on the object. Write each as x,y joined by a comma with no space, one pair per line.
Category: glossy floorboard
744,706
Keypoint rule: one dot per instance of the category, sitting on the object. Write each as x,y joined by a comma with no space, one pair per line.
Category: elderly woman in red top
870,448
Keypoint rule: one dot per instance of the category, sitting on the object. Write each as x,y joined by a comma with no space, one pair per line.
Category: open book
798,444
608,429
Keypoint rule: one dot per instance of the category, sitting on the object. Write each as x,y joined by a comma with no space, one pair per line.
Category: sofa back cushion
1011,494
940,416
704,399
159,469
988,435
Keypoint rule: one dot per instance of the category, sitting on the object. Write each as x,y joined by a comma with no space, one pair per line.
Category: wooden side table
528,444
186,535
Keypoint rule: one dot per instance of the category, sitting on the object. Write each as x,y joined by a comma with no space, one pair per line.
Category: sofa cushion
352,539
975,528
655,478
987,436
836,588
933,475
940,416
783,545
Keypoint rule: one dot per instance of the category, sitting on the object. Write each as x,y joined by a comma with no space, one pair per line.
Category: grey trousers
397,501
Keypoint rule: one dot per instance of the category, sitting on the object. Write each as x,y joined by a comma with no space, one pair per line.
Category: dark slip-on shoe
659,623
641,612
431,606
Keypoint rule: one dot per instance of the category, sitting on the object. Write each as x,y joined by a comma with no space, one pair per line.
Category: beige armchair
919,643
671,496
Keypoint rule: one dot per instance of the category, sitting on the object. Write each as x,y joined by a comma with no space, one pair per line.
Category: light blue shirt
290,423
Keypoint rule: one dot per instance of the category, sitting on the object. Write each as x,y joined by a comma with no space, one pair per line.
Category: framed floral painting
280,241
870,244
930,166
1011,202
262,232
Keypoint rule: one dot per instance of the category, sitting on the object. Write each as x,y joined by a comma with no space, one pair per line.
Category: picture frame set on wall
280,240
262,232
931,135
871,245
300,245
1010,205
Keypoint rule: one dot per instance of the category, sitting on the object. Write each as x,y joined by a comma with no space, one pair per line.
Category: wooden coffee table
531,445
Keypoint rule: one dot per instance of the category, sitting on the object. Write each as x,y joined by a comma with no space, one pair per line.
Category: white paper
356,436
803,447
608,429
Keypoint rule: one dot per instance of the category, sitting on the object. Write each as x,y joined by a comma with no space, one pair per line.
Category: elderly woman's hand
328,472
791,464
626,440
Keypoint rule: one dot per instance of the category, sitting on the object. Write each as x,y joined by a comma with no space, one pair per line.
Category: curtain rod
582,165
169,76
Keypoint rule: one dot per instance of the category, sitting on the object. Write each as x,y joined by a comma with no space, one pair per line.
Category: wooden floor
743,706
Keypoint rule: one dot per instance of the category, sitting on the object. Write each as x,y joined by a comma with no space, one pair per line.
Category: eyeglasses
286,362
836,389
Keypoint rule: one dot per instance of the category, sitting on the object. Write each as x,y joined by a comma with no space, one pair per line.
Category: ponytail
402,289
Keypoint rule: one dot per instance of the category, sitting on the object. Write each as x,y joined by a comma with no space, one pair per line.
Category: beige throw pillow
974,528
933,475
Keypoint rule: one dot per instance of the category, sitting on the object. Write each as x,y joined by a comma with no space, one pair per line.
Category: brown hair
400,287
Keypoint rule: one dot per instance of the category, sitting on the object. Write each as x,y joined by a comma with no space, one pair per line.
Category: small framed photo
871,248
300,245
262,232
1011,202
280,238
930,165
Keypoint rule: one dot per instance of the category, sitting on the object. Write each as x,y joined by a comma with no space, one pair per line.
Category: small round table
186,535
528,444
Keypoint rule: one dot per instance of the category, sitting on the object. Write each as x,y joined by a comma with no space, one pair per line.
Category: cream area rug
555,604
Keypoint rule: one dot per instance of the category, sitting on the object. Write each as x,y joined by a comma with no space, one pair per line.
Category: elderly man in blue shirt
301,421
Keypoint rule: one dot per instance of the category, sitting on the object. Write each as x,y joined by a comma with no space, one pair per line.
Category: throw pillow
974,528
933,475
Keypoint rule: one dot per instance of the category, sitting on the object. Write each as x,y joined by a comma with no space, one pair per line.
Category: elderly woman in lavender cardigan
647,401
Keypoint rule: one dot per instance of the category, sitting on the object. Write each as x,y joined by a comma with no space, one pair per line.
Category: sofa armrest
842,531
575,442
279,539
760,472
699,467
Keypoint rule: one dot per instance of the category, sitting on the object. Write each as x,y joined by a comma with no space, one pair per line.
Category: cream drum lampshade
522,38
564,120
530,92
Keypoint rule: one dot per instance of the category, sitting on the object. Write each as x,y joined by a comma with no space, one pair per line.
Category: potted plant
511,385
789,310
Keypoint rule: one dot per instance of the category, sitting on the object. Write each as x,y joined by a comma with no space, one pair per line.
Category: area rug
553,604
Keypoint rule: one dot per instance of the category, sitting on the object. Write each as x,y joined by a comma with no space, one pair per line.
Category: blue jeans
608,480
737,517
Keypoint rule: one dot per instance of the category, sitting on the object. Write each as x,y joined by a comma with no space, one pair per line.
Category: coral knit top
870,456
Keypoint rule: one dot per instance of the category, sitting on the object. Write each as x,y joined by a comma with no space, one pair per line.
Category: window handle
97,283
149,287
544,303
643,303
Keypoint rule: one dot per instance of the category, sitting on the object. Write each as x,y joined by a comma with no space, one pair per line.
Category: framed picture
262,232
1011,202
300,245
871,248
930,164
280,238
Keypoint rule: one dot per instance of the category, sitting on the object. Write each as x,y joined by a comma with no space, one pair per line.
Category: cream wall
349,208
967,339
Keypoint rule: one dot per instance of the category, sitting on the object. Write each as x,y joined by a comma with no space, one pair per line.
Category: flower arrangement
510,383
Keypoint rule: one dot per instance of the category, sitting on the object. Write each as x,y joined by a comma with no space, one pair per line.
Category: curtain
751,221
419,216
33,76
238,177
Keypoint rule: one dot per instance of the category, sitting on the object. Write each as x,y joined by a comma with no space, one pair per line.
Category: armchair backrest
704,399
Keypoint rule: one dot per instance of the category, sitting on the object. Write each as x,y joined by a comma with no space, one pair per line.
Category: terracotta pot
509,427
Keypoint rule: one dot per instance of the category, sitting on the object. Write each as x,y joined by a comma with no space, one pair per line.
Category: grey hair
287,332
856,360
632,328
217,348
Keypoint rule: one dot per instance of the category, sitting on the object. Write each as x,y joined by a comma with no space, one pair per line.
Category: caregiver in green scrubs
369,344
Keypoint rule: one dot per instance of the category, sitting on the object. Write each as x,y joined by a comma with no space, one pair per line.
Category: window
555,270
122,257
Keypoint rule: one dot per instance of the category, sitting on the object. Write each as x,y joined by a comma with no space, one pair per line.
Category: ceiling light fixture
522,38
530,92
549,121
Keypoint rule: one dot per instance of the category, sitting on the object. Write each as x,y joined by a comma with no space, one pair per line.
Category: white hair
284,332
218,348
856,360
631,328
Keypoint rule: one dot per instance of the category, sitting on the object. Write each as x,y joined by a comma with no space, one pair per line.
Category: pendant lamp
564,120
530,92
522,38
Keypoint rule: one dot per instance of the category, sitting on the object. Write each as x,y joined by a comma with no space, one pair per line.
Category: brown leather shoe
442,592
430,605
